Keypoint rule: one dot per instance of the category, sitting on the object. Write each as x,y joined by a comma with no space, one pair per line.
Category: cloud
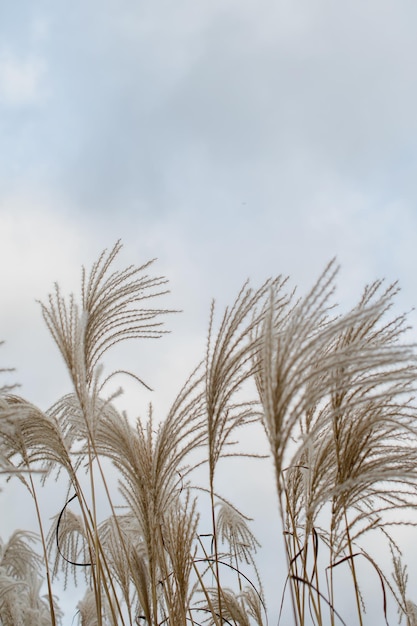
22,81
37,246
246,101
249,99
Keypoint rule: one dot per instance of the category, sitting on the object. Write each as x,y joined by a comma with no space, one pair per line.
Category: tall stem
295,600
216,552
45,555
353,570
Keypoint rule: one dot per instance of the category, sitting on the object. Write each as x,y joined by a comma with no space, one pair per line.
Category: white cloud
22,81
40,29
37,247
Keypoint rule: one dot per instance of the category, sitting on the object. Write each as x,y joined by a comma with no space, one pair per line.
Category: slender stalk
95,539
45,554
353,570
207,595
330,569
295,601
216,552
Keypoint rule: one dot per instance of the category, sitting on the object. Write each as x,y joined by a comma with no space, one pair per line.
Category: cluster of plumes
21,603
334,400
336,392
145,564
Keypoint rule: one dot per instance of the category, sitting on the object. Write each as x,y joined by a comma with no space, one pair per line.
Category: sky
229,139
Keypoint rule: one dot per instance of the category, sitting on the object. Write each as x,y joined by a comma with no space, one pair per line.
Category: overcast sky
231,139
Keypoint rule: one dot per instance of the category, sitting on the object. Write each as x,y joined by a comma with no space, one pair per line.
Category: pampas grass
333,394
